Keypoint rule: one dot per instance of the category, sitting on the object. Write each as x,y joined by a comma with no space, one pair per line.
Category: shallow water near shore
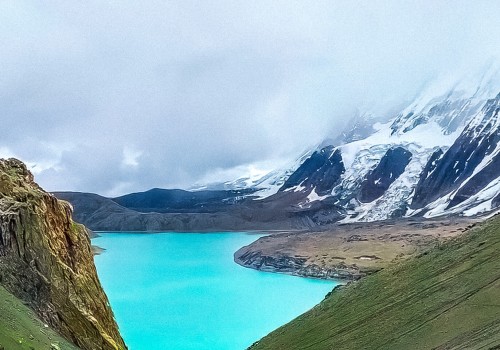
183,291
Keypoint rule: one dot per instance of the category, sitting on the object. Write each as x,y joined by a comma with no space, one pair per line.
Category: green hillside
447,298
21,329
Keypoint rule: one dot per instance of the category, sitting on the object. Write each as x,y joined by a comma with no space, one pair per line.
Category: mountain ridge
440,155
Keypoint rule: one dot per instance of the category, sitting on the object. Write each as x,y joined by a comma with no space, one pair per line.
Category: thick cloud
120,96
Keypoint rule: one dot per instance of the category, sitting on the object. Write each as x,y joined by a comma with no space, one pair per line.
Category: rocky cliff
46,261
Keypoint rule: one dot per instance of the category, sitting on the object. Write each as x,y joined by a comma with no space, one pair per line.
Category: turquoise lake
183,291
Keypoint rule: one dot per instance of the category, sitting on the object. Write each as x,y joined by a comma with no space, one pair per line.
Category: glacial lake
183,291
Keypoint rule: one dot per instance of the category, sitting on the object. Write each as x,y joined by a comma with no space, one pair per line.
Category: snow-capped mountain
469,172
439,155
263,184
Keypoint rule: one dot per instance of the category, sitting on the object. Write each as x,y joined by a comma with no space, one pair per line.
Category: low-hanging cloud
114,96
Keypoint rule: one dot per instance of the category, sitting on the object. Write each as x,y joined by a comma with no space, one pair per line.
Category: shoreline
340,281
340,274
249,232
341,253
348,252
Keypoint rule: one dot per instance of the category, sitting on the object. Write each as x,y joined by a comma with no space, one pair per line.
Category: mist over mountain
352,141
438,156
116,98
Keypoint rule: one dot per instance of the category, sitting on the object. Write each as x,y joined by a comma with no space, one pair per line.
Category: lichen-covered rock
46,260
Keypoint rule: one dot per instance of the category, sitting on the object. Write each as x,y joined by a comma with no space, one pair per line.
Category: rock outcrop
469,165
296,266
377,181
322,171
46,261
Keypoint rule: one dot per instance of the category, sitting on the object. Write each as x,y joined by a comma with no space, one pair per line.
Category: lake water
183,291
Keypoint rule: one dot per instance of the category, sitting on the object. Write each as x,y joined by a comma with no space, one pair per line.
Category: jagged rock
295,266
46,261
390,167
478,182
322,171
356,238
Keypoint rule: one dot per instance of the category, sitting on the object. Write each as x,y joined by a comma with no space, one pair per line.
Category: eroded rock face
321,171
478,182
46,260
293,265
478,141
496,201
391,166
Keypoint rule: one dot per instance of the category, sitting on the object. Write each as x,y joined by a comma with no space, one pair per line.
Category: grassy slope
448,298
18,322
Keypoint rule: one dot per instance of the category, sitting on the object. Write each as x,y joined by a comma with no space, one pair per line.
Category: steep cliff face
322,171
469,165
46,261
378,181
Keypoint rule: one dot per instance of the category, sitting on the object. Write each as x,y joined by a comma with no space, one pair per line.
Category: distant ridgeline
439,156
46,263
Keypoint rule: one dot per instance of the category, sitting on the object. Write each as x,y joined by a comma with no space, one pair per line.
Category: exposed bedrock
478,182
46,261
390,167
476,142
297,266
322,171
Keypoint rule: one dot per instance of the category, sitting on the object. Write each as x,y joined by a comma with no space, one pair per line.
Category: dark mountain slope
377,181
90,209
476,142
179,201
447,298
278,212
321,171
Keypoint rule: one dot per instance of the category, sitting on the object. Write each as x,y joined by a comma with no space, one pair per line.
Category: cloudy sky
119,96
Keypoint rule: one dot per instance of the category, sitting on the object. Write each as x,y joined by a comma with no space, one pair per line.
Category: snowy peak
486,122
439,155
450,105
